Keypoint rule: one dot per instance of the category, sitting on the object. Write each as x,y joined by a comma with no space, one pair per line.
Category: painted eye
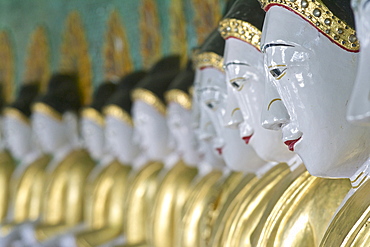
235,85
278,73
210,105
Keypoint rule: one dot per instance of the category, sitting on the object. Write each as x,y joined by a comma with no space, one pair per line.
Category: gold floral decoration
320,16
47,110
37,61
207,14
119,113
6,67
93,115
209,59
75,56
241,30
17,114
150,33
149,98
116,51
178,30
180,97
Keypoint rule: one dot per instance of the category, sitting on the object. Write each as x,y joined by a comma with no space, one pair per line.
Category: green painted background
21,17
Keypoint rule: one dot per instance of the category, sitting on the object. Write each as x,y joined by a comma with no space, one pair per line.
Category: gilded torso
351,225
208,197
7,166
303,212
246,216
144,185
64,196
225,214
106,194
172,195
27,189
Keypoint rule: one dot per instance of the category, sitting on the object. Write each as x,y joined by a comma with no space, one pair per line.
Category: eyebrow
237,63
271,45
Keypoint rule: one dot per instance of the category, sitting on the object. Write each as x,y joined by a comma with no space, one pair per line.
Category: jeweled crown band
149,98
94,115
209,59
316,13
179,97
47,110
241,30
118,113
14,112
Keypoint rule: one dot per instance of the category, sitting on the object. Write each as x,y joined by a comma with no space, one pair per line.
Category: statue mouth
246,139
291,143
219,150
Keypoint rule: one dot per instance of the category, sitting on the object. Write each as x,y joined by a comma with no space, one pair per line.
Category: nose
233,116
207,130
274,112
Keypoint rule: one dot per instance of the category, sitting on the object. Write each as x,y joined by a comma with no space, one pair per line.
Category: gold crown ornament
320,16
241,30
209,59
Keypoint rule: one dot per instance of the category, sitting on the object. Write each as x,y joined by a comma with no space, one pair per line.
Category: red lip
247,138
291,143
219,150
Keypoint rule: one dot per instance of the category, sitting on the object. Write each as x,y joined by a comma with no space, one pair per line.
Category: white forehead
174,108
239,51
212,77
282,26
140,109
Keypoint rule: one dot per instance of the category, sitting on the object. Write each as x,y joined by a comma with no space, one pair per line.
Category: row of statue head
146,112
299,79
284,73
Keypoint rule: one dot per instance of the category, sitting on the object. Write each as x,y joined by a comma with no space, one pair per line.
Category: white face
245,83
18,136
51,133
227,141
119,138
93,136
180,122
151,130
359,105
313,78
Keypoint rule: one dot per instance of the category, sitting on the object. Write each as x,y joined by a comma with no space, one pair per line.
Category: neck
262,171
170,160
294,162
62,151
204,168
361,175
30,157
139,161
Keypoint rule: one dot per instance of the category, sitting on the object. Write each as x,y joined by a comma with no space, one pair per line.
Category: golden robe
172,194
7,166
28,190
350,227
206,201
303,212
106,196
64,196
144,186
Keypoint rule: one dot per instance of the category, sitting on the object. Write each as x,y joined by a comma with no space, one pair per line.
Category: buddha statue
107,183
152,136
27,179
54,120
175,186
308,73
358,111
204,132
350,225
